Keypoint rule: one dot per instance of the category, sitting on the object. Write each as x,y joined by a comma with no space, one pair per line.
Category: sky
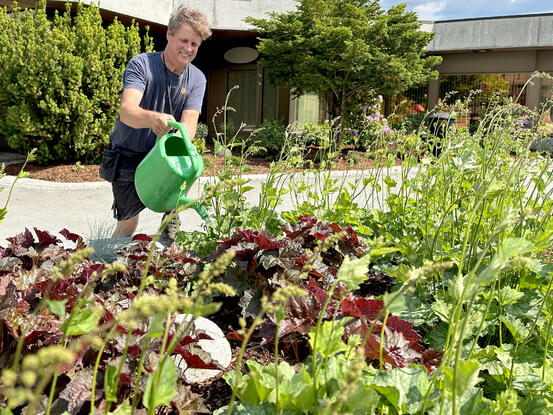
464,9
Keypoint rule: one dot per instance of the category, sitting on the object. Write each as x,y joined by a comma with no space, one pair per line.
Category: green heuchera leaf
165,387
473,403
57,307
110,383
509,247
259,384
353,273
123,409
403,388
508,295
467,376
393,302
328,337
515,326
244,408
536,406
157,326
82,321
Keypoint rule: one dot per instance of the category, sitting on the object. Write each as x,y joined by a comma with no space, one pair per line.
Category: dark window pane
243,99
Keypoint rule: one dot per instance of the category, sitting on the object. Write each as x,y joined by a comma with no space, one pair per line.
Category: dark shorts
126,203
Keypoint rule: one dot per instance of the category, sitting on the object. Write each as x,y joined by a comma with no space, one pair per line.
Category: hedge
60,80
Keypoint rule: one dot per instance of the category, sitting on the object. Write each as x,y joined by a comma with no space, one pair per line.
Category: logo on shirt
183,91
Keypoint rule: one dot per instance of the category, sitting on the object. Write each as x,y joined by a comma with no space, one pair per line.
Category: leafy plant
335,48
269,137
67,114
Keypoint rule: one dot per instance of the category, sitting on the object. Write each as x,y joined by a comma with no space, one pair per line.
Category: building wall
221,14
509,32
230,14
497,62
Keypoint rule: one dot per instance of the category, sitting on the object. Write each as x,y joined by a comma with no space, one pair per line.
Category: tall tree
336,48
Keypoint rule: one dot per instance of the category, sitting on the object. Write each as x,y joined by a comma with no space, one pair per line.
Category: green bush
60,80
201,131
317,135
269,137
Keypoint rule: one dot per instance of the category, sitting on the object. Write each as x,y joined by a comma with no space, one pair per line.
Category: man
157,87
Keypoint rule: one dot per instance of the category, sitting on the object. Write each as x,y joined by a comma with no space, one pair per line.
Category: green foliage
269,137
314,134
165,377
60,80
337,47
201,131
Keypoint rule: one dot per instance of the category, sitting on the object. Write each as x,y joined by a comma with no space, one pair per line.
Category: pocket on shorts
108,167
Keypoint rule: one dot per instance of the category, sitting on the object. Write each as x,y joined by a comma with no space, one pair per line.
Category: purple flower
375,106
368,117
364,108
380,98
356,133
377,114
386,129
348,131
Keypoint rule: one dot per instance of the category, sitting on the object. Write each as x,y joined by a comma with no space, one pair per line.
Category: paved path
85,208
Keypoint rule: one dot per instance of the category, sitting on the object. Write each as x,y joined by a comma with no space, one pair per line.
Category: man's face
183,44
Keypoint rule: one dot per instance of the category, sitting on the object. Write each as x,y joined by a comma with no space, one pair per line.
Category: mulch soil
78,173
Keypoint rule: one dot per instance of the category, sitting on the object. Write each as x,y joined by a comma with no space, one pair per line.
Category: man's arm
131,114
190,120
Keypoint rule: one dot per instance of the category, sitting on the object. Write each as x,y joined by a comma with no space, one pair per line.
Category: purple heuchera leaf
361,307
20,243
69,236
45,238
259,238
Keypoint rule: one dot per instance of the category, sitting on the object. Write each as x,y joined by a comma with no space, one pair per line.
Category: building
227,58
495,52
487,54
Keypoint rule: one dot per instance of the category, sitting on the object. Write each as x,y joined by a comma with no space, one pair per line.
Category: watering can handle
185,137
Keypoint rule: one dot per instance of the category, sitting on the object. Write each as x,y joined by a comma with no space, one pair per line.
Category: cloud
430,10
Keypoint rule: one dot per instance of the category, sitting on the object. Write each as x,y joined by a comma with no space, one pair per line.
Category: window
243,99
269,98
486,86
546,98
307,108
253,102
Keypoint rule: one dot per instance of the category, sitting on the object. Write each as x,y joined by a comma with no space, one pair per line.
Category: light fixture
241,54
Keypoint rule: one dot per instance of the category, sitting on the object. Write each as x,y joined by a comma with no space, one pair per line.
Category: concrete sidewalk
85,208
82,208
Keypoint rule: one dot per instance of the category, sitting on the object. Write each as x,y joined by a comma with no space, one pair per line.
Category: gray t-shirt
147,73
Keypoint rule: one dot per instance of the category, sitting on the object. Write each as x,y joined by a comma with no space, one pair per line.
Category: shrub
201,131
270,136
60,80
315,134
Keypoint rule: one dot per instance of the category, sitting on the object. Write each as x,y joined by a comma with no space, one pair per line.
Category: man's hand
134,116
160,126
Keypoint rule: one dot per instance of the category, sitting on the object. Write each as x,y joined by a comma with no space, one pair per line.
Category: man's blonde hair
194,18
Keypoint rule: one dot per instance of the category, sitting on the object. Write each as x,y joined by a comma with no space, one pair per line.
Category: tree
60,80
337,48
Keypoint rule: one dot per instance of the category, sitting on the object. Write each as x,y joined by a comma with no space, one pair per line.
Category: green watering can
168,172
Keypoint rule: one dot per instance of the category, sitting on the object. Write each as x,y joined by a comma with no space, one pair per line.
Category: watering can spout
197,206
168,171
